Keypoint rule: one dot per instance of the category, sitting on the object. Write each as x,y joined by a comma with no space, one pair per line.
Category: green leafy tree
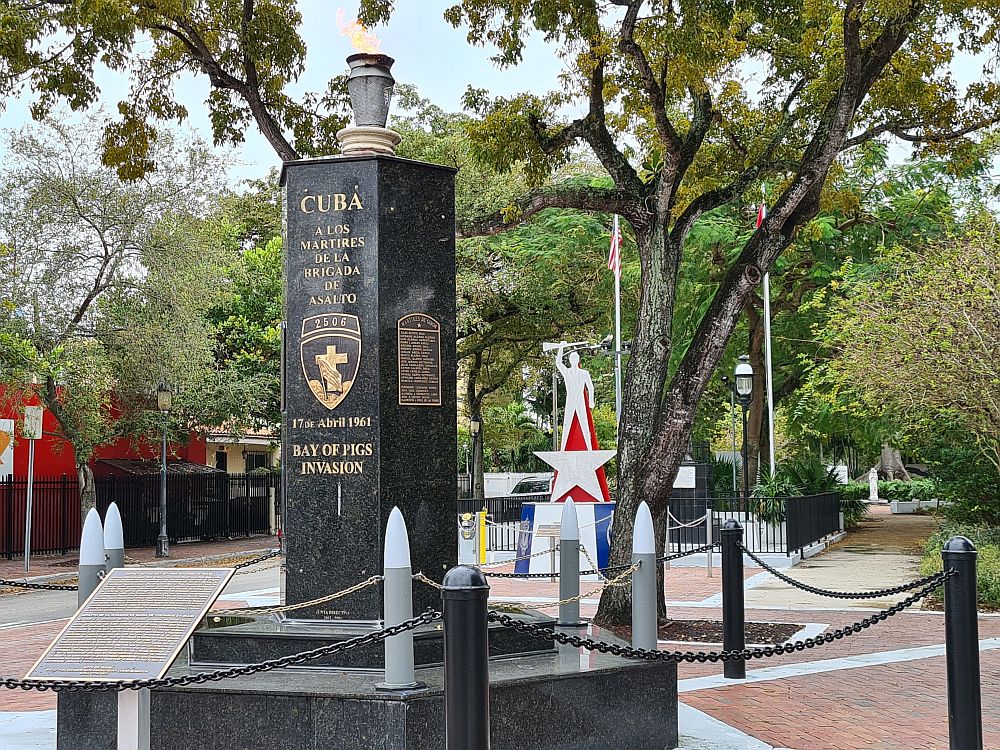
105,289
250,52
666,79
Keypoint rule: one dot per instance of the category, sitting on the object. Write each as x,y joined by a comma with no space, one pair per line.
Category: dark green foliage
969,481
987,541
854,509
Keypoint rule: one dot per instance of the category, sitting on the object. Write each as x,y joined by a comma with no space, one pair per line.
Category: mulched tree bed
710,631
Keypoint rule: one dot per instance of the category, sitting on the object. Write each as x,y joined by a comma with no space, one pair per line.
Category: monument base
568,699
232,641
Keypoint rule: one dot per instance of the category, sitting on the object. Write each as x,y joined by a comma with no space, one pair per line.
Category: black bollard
733,613
466,659
961,635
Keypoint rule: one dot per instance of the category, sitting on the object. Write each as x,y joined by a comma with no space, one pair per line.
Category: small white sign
33,422
6,448
686,478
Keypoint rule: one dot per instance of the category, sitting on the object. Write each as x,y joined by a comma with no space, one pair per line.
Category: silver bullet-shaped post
91,556
644,581
397,591
569,566
114,539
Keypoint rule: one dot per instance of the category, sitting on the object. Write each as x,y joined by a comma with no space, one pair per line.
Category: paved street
881,688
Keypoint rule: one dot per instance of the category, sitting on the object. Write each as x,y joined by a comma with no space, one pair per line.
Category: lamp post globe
164,400
743,378
475,425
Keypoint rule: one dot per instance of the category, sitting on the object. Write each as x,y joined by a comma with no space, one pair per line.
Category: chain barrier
272,554
681,524
429,581
688,553
627,652
901,589
370,581
368,639
518,559
612,583
4,583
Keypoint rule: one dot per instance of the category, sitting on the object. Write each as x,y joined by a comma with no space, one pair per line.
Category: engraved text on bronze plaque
133,626
419,350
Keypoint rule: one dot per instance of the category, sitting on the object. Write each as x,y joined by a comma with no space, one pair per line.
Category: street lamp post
164,400
743,376
475,424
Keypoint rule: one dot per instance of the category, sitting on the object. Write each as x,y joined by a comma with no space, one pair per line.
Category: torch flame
361,38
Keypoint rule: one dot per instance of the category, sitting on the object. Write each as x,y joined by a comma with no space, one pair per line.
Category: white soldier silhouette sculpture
578,465
579,397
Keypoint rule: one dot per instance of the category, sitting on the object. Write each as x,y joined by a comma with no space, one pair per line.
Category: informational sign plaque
133,626
419,350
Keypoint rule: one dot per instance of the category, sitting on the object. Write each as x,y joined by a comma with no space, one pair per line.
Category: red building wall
54,455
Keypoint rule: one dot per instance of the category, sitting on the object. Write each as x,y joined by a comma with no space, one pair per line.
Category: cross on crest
328,368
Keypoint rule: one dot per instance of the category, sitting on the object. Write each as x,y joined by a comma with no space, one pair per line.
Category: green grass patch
987,541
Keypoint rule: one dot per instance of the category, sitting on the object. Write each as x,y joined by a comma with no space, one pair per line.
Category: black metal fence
199,507
780,525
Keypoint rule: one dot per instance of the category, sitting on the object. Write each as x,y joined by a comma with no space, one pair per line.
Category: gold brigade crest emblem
331,353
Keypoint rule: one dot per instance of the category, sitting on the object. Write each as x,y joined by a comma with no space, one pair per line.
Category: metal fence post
91,556
644,580
10,518
569,566
733,613
397,598
466,659
708,539
961,627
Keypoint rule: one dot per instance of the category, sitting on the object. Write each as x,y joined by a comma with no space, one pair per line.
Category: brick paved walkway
897,704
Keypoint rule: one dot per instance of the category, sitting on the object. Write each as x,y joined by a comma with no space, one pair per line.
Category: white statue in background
873,485
579,395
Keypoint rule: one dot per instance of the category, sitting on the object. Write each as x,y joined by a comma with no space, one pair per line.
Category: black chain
262,558
603,571
746,654
695,551
841,594
40,586
221,674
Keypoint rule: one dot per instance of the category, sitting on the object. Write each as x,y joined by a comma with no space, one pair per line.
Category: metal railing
780,524
199,507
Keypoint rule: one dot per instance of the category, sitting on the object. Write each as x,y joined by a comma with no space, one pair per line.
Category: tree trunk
88,490
645,379
890,465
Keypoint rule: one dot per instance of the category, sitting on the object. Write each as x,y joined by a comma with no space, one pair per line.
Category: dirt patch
710,631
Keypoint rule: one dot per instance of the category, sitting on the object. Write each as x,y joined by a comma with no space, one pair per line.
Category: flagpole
767,367
618,331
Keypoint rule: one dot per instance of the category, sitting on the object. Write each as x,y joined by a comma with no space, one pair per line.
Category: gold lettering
302,204
355,203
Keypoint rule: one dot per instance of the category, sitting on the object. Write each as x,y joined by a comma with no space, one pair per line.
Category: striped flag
761,214
615,253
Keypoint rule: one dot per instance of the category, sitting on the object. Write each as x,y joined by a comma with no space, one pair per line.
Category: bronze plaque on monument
419,358
133,626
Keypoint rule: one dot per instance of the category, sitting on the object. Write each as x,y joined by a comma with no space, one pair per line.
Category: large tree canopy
689,106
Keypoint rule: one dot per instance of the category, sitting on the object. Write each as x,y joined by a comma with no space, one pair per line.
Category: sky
429,54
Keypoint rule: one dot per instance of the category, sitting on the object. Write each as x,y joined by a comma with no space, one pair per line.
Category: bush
854,508
987,541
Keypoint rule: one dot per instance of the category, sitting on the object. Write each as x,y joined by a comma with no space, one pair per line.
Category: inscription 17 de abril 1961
134,625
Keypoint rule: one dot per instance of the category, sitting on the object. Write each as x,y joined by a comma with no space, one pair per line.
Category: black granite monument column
369,415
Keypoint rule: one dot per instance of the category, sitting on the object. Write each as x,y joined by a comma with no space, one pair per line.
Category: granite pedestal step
232,641
566,699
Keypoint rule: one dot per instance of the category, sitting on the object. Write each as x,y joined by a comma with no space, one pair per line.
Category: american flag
615,254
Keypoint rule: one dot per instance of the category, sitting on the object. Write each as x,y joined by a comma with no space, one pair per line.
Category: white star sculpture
576,469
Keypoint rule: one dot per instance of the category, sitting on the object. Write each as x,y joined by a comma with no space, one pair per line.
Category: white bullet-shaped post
114,539
397,591
91,556
644,580
569,566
